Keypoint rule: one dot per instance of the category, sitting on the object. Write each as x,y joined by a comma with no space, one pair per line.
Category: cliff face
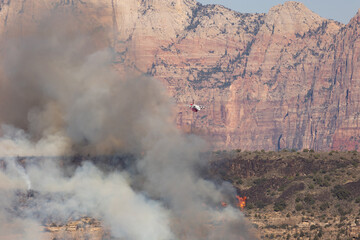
285,79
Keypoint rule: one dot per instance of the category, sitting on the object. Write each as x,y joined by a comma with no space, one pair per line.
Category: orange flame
224,204
242,202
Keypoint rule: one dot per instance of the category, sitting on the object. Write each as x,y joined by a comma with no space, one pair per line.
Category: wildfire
242,202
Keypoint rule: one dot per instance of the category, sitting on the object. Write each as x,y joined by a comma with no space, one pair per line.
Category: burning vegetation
296,194
242,202
62,98
71,222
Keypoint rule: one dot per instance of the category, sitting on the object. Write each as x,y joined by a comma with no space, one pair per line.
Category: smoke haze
60,95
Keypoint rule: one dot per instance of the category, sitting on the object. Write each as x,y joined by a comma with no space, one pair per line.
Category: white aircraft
195,108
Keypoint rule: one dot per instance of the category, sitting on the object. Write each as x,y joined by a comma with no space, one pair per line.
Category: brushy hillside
296,195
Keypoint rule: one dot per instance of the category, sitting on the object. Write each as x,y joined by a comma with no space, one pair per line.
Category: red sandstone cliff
285,79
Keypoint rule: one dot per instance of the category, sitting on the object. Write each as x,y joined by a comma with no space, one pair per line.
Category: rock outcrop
285,79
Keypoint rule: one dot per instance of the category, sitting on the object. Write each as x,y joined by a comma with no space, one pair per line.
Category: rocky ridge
284,79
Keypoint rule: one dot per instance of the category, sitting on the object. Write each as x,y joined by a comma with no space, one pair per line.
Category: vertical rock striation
285,79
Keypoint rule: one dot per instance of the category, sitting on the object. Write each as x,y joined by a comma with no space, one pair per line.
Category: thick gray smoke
60,95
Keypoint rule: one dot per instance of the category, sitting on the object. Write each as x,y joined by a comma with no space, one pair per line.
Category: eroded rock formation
284,79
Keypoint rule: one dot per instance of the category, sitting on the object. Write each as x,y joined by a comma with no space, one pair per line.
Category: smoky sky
60,95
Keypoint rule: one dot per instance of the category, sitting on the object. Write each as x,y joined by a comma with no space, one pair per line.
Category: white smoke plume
15,142
60,96
17,169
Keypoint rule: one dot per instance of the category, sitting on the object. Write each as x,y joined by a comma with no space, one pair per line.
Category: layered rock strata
285,79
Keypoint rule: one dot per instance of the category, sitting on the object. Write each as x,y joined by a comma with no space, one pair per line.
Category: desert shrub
321,182
239,181
284,226
355,162
279,206
324,206
313,227
328,225
309,199
340,225
320,233
299,207
341,193
260,204
327,178
281,188
259,181
250,206
343,211
271,226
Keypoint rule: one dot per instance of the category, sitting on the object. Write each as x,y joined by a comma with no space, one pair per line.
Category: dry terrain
290,195
297,195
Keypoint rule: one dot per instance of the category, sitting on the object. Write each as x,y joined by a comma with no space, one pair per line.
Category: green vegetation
259,181
279,206
341,193
299,207
324,206
309,199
